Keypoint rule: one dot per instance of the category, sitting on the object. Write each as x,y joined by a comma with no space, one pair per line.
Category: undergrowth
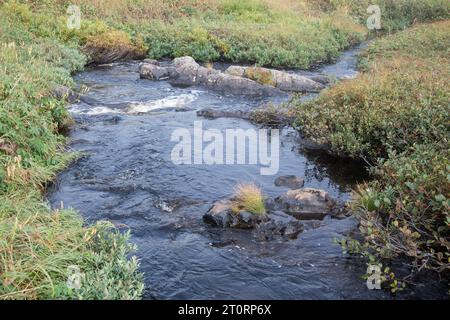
38,246
395,115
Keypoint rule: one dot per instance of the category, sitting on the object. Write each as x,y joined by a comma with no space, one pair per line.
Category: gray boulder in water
282,80
222,215
279,225
184,71
307,203
153,72
273,225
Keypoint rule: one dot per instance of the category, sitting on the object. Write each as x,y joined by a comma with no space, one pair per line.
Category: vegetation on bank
39,247
289,33
395,115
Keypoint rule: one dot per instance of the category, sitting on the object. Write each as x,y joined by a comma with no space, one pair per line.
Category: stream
126,176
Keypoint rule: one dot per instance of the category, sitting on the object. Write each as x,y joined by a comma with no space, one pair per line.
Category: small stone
290,181
307,203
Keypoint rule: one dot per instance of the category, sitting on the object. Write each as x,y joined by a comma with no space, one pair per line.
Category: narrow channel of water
126,175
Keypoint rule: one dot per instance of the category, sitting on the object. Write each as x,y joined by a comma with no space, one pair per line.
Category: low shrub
395,115
401,99
405,212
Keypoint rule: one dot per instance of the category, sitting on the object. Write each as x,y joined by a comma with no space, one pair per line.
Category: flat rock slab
184,71
282,80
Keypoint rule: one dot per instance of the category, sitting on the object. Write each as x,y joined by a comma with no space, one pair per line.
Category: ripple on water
126,176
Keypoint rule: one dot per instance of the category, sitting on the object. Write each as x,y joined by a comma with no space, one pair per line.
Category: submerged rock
307,203
290,181
279,224
282,80
319,78
184,71
214,114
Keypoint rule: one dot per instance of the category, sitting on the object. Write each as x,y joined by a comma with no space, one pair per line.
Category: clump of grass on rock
249,197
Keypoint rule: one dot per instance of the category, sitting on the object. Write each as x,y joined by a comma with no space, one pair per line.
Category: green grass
395,115
397,14
290,33
37,245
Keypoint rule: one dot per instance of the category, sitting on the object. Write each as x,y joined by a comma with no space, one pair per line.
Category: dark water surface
126,176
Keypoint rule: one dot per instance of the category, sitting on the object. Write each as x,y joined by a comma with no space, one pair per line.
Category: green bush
395,115
401,99
405,212
294,44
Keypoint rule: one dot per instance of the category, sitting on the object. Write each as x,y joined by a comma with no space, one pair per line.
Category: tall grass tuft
248,197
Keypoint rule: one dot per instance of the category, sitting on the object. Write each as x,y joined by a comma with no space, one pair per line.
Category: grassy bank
38,246
290,33
395,115
37,52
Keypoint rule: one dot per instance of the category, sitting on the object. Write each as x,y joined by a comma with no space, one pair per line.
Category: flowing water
126,176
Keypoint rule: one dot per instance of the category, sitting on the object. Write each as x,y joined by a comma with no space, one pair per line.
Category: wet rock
214,114
319,78
172,205
153,72
307,203
279,225
221,215
290,181
312,224
113,120
151,61
63,92
282,80
184,71
277,119
272,116
271,205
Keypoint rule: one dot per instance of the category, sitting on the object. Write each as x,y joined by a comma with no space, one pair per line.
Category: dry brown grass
112,46
142,10
248,196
